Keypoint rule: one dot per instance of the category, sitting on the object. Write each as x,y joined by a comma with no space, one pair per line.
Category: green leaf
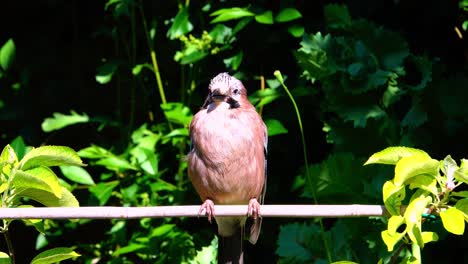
429,237
41,178
162,230
453,220
7,54
296,30
4,258
394,223
461,174
424,182
77,174
392,155
462,205
136,70
275,127
234,61
41,241
265,18
313,56
391,240
181,24
413,214
206,254
49,199
227,14
293,242
288,14
177,113
50,156
415,117
128,249
337,16
19,146
393,196
415,165
59,121
54,255
103,191
105,72
360,115
94,152
147,159
8,156
264,97
115,163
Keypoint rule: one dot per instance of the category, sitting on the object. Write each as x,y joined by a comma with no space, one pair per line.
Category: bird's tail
230,248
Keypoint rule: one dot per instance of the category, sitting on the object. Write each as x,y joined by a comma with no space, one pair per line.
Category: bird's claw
207,208
254,208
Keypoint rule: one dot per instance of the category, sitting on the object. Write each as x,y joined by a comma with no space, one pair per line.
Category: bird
227,162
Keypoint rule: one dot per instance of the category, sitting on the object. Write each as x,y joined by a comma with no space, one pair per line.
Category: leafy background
93,75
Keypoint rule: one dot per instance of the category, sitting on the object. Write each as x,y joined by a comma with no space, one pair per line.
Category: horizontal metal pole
107,212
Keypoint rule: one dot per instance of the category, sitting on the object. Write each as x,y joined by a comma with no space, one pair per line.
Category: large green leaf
411,166
8,156
147,159
413,214
50,200
50,156
391,240
55,255
392,155
59,121
77,174
393,196
462,205
453,220
40,178
7,54
181,24
265,17
4,258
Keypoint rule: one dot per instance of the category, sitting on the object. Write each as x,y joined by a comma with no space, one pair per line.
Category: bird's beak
218,95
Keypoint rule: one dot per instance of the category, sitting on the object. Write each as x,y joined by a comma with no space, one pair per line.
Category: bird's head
226,89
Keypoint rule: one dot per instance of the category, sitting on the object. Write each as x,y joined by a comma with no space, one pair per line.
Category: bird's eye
236,91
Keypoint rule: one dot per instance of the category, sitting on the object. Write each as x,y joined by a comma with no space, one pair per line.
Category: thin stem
11,251
306,162
262,87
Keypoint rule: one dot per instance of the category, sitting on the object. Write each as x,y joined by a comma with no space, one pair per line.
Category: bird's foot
254,208
207,208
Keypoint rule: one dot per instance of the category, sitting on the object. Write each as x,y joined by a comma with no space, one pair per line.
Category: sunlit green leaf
275,127
453,220
390,240
177,113
181,24
461,174
41,178
392,155
7,54
393,196
8,155
20,147
115,163
139,67
55,255
4,258
288,14
206,254
227,14
429,237
394,223
50,156
413,215
59,121
147,159
411,166
49,199
425,182
94,152
265,18
77,174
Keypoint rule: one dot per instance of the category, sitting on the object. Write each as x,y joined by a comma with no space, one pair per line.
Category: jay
227,161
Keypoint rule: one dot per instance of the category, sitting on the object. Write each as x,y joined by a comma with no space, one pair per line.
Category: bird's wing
265,151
